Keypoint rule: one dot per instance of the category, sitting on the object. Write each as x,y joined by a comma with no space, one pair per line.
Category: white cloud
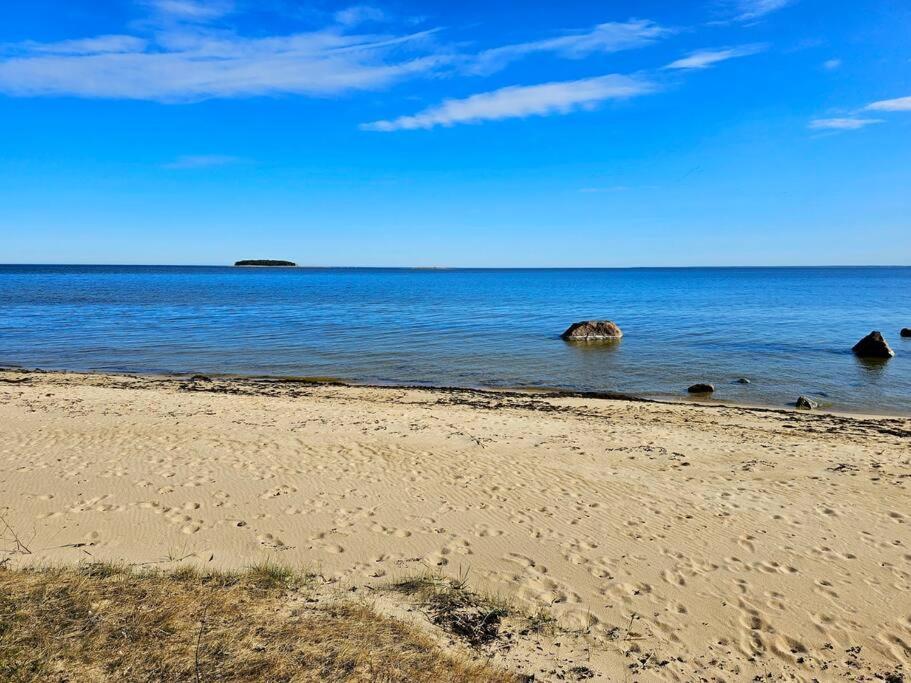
96,45
755,9
603,38
831,64
190,63
202,161
182,57
846,123
856,120
706,58
520,102
898,104
193,10
359,14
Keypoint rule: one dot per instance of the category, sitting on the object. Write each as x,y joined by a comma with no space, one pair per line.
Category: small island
265,262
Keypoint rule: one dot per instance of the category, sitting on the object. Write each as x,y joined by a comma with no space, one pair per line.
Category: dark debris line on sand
483,399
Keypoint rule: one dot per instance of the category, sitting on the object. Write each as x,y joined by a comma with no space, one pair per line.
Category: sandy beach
670,542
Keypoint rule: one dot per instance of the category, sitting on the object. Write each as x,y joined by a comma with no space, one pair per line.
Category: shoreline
684,540
543,392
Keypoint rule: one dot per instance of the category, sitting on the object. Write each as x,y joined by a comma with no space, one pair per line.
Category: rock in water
702,389
593,330
742,380
873,346
906,332
805,403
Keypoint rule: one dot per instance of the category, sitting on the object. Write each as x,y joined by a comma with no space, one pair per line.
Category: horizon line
336,267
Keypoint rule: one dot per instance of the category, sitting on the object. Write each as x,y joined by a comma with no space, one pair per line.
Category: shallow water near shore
788,330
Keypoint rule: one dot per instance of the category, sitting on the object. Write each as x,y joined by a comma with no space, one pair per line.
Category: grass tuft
273,576
102,622
476,619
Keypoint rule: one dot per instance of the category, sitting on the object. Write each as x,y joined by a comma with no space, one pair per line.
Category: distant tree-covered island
264,262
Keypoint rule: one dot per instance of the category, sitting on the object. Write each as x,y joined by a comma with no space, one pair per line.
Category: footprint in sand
398,533
96,504
272,542
441,557
319,542
485,531
187,524
746,542
282,490
673,577
331,548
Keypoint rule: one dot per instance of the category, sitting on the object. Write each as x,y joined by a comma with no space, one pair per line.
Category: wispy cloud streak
843,123
756,9
855,120
520,102
358,14
195,64
897,104
603,38
703,59
84,46
201,161
192,10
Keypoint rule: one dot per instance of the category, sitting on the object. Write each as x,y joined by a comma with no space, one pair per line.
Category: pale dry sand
672,542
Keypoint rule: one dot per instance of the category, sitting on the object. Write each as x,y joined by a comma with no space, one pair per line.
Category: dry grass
105,623
476,619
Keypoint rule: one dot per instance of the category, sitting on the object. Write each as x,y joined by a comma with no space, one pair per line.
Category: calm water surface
789,330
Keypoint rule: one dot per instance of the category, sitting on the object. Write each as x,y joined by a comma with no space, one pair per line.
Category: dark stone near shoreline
200,378
873,346
906,332
265,262
805,403
593,330
702,389
742,380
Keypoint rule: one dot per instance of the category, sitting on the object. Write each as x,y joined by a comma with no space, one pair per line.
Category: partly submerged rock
906,332
741,380
593,330
873,346
805,403
702,389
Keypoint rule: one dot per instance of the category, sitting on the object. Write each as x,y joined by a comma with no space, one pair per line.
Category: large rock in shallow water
873,346
906,332
592,330
702,388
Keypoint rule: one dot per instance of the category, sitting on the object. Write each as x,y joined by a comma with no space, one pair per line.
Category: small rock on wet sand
805,403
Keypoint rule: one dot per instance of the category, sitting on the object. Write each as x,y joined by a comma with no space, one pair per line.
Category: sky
476,134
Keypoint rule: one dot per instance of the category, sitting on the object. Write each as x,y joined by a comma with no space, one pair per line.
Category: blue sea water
789,330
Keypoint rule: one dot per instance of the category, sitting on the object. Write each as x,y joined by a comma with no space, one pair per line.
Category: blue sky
712,132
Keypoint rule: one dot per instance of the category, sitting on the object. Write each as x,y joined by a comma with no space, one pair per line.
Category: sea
789,331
